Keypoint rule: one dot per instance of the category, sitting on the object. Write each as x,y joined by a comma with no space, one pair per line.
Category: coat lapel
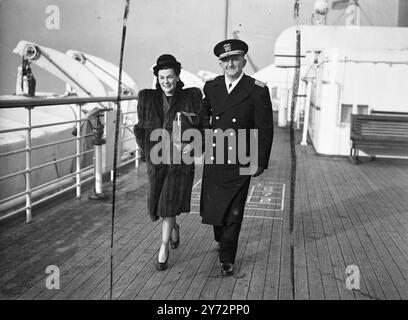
241,91
157,105
219,95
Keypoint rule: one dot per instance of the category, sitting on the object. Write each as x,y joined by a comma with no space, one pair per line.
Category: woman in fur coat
170,178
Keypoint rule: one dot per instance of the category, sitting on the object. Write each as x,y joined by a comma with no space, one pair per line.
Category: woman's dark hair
175,69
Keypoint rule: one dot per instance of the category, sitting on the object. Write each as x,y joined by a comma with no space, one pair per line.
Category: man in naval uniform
237,103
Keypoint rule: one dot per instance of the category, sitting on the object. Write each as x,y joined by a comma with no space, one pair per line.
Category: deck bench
378,134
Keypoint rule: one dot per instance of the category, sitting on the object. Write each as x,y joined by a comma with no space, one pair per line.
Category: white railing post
307,111
98,141
78,153
28,166
137,155
98,169
32,192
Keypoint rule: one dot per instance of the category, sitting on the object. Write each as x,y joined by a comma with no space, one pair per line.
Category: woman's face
167,80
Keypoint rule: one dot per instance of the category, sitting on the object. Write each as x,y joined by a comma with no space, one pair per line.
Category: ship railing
34,195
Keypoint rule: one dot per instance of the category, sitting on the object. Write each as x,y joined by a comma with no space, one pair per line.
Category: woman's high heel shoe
160,266
175,243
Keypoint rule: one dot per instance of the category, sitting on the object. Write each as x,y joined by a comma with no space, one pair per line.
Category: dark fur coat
170,184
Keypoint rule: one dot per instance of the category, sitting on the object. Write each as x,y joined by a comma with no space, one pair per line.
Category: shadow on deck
344,215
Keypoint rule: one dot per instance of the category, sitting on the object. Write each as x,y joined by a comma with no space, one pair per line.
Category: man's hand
256,171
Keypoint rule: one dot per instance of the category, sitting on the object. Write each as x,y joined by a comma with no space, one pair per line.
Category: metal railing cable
39,191
41,102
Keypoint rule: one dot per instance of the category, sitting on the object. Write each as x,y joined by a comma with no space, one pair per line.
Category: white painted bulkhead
354,81
372,78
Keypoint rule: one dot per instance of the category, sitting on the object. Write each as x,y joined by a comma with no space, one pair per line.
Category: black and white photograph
204,156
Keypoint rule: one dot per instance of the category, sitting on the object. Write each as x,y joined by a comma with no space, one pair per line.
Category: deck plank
228,286
390,256
203,243
205,270
271,289
56,254
371,267
344,214
257,283
370,284
328,255
96,242
281,172
96,265
300,264
248,260
340,258
98,283
191,232
346,237
314,277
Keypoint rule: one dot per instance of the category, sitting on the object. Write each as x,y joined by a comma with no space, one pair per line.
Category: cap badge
227,47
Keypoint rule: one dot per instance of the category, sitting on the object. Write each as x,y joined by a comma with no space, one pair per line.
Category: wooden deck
344,215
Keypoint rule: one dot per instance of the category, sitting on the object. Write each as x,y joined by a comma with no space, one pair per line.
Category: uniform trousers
227,236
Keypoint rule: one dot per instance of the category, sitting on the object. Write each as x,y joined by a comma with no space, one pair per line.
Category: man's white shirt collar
234,83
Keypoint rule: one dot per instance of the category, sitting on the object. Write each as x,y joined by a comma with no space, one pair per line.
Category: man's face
233,65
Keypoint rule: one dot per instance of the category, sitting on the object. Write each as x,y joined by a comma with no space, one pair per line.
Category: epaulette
260,83
210,79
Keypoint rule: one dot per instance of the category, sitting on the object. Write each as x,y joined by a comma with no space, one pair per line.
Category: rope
293,146
292,116
117,124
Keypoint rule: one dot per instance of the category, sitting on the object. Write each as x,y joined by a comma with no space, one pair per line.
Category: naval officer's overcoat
248,106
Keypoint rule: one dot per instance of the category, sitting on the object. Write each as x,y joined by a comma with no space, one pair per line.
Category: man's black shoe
227,269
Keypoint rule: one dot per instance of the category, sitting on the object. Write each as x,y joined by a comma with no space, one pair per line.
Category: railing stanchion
137,156
28,166
32,192
98,169
307,111
98,141
78,153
